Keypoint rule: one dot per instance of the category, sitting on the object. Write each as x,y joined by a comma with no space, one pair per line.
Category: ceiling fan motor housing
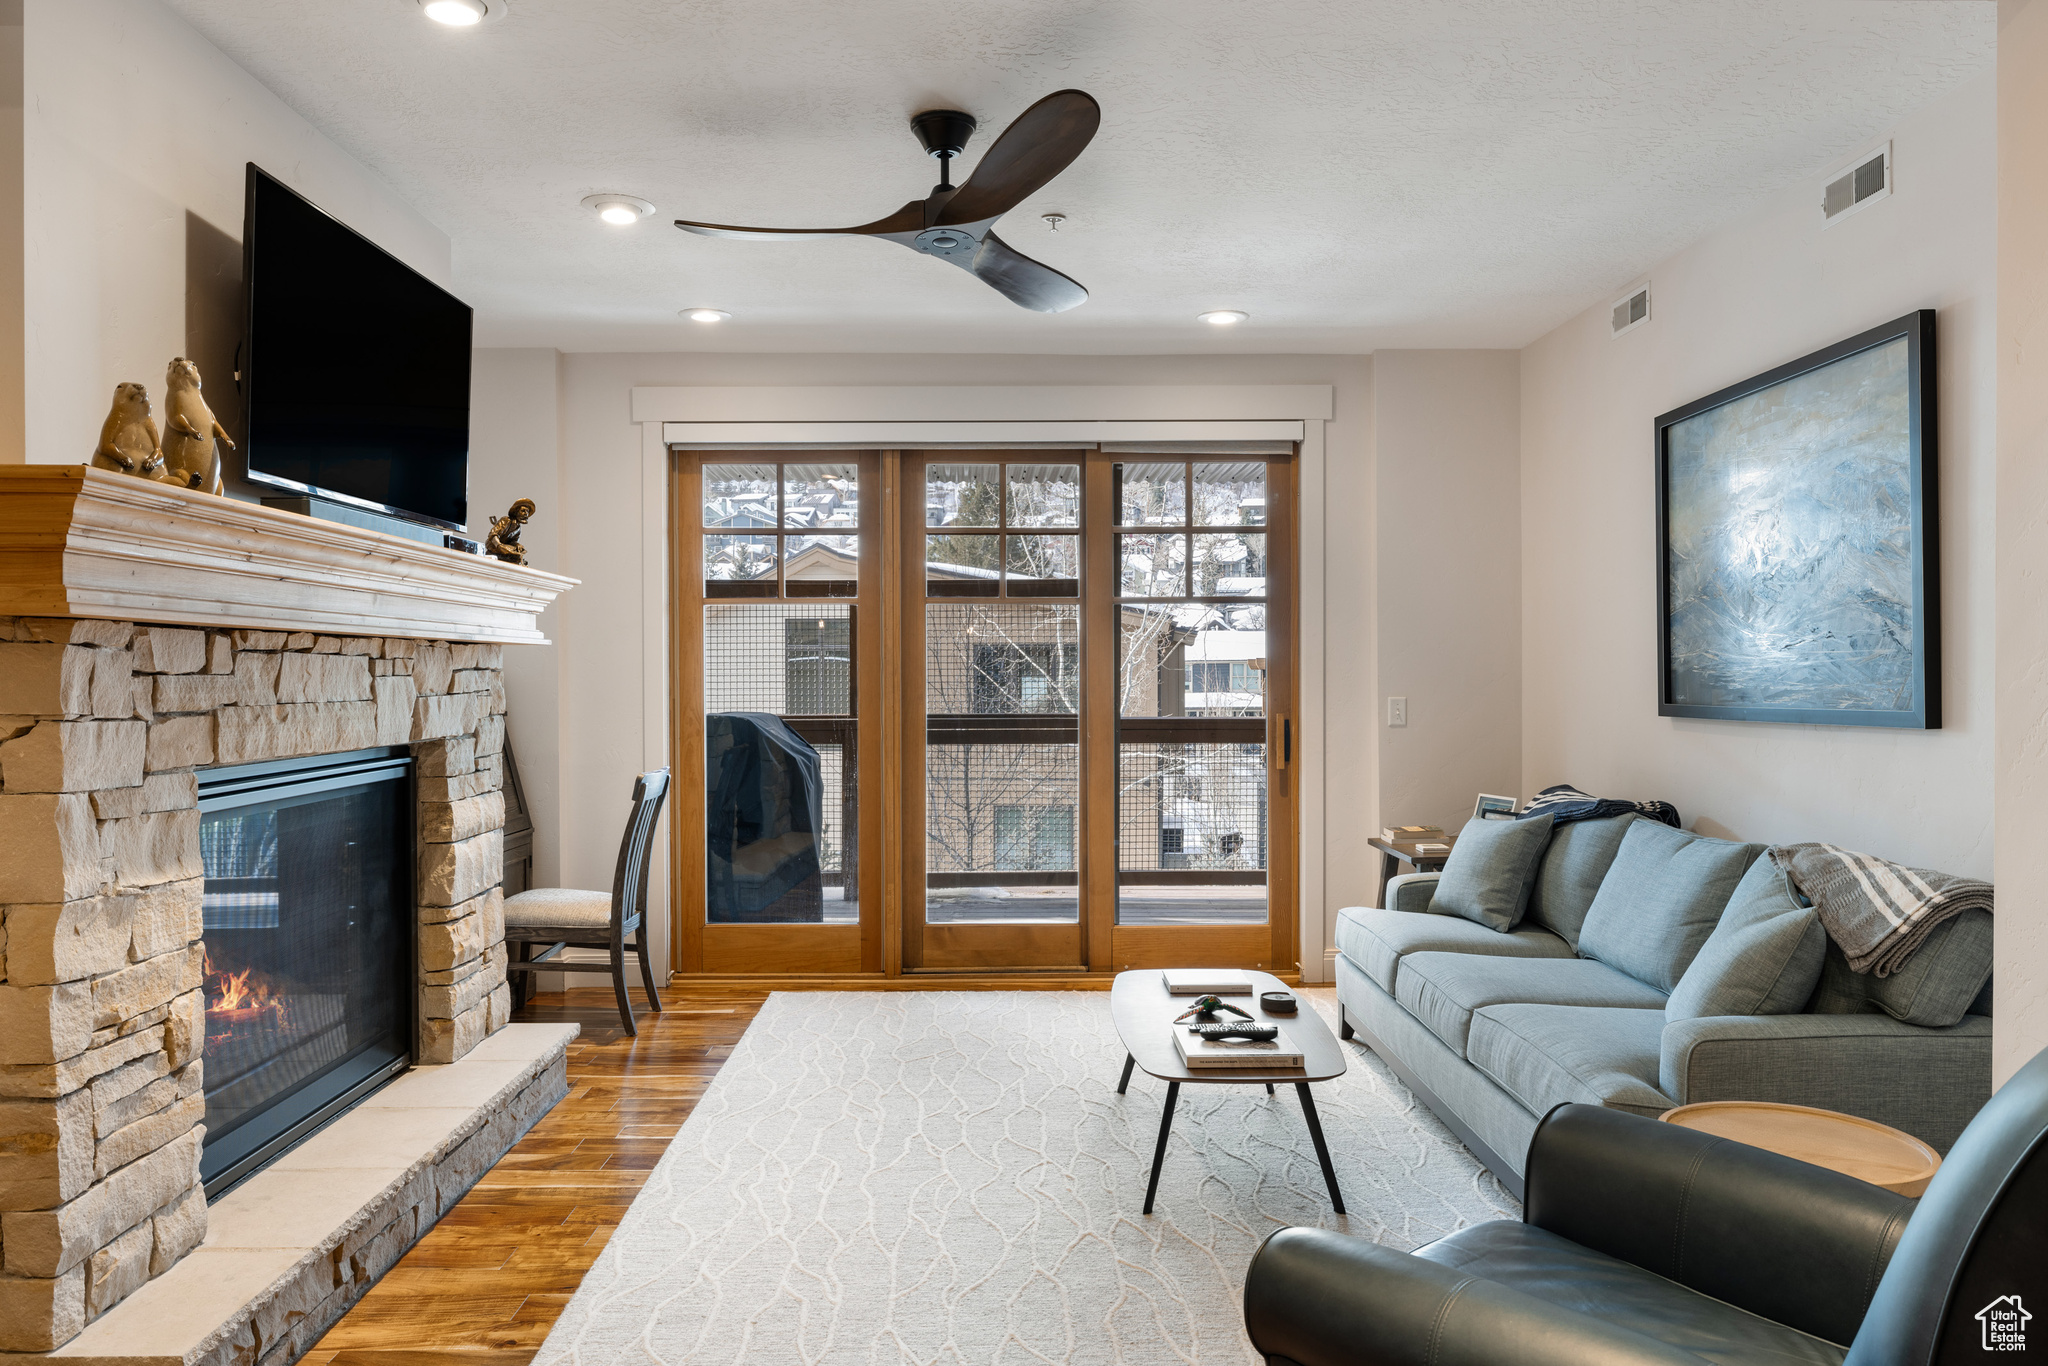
944,132
953,244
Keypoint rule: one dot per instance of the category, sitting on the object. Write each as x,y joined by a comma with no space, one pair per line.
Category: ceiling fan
956,222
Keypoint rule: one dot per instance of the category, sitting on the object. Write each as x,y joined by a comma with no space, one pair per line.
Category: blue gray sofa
1622,963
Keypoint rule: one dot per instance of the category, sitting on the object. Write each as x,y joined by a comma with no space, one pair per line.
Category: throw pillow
1763,958
1942,982
1660,900
1491,870
1571,872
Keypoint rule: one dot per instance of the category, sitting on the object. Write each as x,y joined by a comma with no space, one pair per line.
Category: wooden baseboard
920,981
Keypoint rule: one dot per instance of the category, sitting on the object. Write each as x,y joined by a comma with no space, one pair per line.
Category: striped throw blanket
1565,804
1879,912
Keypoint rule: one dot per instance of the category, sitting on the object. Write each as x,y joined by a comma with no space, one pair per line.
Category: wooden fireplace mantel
76,541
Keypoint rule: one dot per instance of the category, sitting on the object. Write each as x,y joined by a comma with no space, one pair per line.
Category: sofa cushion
1571,872
1938,985
1490,871
1376,939
1660,900
1443,989
1763,958
1545,1055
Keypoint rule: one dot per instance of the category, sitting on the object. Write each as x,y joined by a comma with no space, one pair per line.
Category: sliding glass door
983,711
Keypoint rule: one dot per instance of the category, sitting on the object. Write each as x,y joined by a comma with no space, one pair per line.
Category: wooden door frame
995,946
1271,947
771,949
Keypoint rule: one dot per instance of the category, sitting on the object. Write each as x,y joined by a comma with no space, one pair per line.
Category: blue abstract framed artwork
1796,541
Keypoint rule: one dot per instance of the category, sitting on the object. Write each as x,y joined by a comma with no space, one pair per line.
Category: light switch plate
1397,711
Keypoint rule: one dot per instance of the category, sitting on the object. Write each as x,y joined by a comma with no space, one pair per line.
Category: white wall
136,134
1446,442
515,434
1758,293
2021,1023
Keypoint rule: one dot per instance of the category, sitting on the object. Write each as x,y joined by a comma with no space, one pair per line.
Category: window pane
739,566
739,495
1191,834
1002,659
817,496
1232,565
1045,495
821,567
1152,494
1001,794
1154,565
1044,566
962,566
791,659
1232,494
781,777
1192,660
963,495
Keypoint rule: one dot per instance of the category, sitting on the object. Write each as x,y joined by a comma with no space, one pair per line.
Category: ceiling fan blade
1042,142
1021,280
909,218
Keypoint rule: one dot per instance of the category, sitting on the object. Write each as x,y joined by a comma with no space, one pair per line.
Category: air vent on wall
1632,310
1866,180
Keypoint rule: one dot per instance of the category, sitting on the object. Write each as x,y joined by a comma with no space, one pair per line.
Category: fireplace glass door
307,917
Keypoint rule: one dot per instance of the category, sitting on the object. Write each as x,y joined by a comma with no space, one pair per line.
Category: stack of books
1411,834
1265,1054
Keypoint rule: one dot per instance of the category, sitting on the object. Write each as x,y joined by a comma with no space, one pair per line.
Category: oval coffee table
1144,1011
1856,1147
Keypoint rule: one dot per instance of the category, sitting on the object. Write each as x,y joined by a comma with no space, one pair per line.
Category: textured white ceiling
1354,173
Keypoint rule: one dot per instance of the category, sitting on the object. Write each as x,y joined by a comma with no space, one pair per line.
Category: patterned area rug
951,1178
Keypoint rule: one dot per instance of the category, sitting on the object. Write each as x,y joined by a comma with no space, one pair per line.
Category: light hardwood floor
488,1281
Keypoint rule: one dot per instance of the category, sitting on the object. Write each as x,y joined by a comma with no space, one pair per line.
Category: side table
1856,1147
1393,855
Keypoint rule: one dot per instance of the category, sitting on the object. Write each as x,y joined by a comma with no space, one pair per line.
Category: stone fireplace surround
104,724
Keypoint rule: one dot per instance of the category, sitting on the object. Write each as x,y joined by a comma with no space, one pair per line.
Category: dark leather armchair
1646,1243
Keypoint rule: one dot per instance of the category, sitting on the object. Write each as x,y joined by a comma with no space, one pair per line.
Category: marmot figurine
128,439
191,457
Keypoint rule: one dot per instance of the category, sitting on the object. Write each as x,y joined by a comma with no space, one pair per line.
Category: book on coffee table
1207,982
1196,1051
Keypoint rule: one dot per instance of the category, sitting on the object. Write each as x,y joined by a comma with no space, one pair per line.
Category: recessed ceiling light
618,209
1223,317
706,315
455,13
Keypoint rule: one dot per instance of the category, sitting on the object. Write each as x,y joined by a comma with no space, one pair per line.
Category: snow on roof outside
1222,645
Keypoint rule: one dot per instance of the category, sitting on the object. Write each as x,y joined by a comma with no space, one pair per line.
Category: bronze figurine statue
503,541
128,439
192,437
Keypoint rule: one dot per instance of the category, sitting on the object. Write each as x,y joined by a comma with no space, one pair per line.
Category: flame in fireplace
239,999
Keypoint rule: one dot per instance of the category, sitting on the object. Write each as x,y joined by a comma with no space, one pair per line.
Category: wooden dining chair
563,918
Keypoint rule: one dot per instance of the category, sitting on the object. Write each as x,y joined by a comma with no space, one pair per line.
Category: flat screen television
355,373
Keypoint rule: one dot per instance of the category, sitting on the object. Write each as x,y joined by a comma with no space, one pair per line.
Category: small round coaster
1277,1003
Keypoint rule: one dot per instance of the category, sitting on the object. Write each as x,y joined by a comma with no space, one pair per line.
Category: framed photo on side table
1492,808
